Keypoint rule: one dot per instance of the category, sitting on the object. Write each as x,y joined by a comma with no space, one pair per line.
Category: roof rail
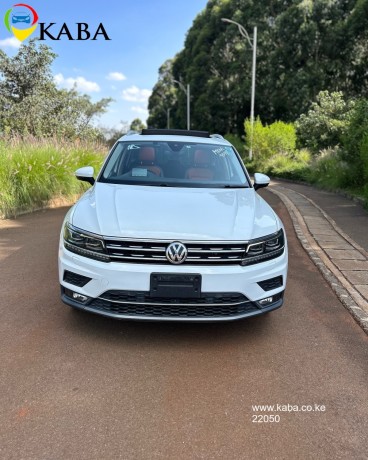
217,136
174,132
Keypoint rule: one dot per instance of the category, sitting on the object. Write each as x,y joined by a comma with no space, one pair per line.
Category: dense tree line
304,46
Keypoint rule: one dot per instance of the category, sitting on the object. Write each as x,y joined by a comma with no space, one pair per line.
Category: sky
144,33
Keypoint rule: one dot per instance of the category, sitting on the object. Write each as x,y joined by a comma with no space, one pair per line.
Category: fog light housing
80,297
76,296
266,302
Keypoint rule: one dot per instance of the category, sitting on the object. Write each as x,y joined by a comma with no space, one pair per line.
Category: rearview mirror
260,180
85,174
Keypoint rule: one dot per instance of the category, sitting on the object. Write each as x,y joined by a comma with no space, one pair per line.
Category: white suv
173,230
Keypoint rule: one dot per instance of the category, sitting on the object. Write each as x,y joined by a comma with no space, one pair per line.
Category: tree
30,102
163,97
326,121
111,135
137,125
355,144
304,47
27,73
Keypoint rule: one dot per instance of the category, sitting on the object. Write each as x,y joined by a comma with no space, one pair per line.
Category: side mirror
260,180
85,174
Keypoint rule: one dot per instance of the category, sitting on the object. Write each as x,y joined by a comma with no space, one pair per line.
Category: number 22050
265,418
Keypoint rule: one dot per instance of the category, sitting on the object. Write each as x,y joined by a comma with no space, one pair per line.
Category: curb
51,204
323,264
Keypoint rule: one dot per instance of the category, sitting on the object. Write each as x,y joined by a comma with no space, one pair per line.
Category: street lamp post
168,118
167,111
253,46
187,92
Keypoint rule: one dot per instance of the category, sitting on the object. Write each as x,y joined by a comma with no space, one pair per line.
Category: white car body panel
171,213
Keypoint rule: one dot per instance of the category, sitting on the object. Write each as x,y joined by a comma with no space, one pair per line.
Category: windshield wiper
234,186
158,184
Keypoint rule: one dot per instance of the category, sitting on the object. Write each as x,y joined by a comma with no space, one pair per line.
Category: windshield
174,164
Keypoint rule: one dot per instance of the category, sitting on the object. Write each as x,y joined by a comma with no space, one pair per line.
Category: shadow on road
160,333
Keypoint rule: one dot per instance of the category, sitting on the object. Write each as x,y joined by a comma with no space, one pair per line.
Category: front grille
75,279
155,252
139,303
272,283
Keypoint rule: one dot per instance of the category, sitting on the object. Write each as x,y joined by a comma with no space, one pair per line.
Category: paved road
74,385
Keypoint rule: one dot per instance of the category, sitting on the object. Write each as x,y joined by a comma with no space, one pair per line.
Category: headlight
84,243
263,249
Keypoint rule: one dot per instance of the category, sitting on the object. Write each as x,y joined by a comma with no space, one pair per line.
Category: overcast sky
144,33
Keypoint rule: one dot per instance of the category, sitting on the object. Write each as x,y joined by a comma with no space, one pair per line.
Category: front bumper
121,290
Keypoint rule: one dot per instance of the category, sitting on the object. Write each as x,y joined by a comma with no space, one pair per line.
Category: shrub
279,138
289,166
363,150
355,144
329,170
325,122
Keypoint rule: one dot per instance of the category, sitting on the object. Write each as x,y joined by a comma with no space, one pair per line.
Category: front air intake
75,279
272,283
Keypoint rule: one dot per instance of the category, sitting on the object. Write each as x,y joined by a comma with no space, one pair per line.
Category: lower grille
135,303
272,283
75,279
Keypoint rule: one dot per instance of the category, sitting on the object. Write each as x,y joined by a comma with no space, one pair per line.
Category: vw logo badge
176,253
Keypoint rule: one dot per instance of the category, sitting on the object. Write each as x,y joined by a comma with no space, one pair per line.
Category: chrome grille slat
210,251
122,257
163,258
199,252
190,259
131,248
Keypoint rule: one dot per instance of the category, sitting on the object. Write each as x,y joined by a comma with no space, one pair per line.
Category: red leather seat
147,160
202,169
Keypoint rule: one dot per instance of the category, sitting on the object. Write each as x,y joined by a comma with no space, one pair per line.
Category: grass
289,166
325,171
33,171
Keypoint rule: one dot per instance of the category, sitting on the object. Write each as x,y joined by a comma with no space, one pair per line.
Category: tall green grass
33,171
326,170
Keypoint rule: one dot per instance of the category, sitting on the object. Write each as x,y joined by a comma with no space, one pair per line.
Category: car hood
133,211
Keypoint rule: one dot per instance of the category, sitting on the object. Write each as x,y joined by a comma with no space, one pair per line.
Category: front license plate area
178,286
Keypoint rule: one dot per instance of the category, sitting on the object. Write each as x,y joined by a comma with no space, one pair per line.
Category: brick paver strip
357,277
321,232
336,255
363,289
320,220
332,239
351,254
351,264
308,211
334,244
319,228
